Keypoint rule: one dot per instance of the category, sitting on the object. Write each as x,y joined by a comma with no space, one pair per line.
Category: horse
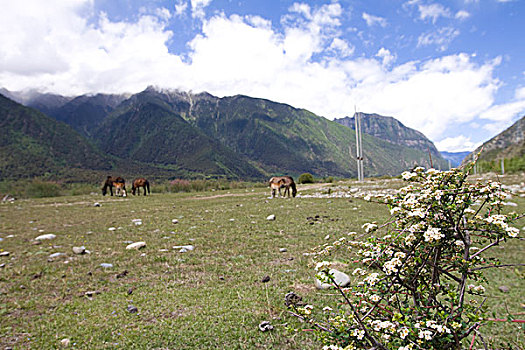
119,183
140,182
278,182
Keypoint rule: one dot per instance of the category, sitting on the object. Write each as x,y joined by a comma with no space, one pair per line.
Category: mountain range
169,133
508,145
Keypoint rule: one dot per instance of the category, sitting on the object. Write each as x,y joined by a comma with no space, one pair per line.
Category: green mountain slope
33,144
235,137
391,130
147,130
508,145
284,139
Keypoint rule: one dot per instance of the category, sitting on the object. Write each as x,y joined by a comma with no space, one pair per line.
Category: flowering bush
416,285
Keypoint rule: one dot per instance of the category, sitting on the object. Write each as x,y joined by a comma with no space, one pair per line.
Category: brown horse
278,182
140,182
119,184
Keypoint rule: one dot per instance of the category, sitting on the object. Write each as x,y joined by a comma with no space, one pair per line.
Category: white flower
375,298
410,238
372,278
400,255
394,210
512,231
403,332
433,234
369,227
407,175
323,265
332,347
327,308
426,334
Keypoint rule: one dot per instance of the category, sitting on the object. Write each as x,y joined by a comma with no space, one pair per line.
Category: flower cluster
441,224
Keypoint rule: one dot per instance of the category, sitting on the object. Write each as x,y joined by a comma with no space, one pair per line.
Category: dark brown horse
119,184
278,182
140,182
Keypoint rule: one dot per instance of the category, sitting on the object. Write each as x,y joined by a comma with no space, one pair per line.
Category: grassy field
208,298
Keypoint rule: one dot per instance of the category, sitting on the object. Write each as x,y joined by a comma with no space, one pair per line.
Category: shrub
305,178
40,189
419,283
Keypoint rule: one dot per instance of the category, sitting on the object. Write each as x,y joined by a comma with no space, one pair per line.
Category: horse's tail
147,186
294,189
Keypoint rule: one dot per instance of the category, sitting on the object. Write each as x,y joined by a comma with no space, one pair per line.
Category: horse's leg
144,189
111,190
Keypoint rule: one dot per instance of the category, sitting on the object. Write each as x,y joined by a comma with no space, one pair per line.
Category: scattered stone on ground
56,255
504,289
174,221
79,250
106,265
65,342
46,236
137,222
132,309
136,245
265,279
340,278
97,204
184,248
4,254
270,217
112,228
91,293
283,250
265,326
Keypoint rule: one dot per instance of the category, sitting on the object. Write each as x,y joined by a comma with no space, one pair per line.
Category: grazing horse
119,184
278,182
140,182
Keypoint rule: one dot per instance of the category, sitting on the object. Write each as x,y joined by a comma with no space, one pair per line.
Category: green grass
208,298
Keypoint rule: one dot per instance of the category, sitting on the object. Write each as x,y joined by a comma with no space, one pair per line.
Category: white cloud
241,55
373,20
456,144
441,38
520,93
386,56
461,15
341,47
433,11
180,7
197,8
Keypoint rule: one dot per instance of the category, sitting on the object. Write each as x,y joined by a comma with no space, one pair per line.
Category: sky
454,70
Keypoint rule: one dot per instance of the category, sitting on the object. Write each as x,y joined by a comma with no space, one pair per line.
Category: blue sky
454,70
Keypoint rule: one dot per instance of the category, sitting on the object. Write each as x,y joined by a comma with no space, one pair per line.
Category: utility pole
359,146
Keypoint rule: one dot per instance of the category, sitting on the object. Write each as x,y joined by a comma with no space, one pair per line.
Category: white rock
97,204
4,254
136,245
174,221
47,236
106,265
56,255
341,279
65,342
79,250
184,248
112,229
270,217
